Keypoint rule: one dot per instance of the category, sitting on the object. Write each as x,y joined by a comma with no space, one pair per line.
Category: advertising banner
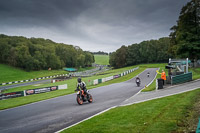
11,95
40,90
30,92
53,88
116,76
95,81
62,86
103,80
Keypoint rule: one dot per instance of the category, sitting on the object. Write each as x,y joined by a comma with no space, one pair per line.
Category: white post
156,84
186,65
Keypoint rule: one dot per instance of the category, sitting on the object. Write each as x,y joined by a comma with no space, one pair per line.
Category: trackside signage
41,90
11,95
32,91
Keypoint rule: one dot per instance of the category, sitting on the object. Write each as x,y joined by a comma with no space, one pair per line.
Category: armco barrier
31,92
181,78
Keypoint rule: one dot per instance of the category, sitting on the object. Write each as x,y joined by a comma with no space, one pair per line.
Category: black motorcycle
138,82
148,74
82,97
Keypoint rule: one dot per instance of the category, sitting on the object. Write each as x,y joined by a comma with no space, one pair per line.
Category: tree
185,37
152,51
112,59
121,54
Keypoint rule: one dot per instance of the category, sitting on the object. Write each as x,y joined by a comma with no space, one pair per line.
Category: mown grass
9,73
195,73
101,59
163,115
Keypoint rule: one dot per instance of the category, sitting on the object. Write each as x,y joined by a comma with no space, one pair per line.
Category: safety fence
181,78
98,81
31,92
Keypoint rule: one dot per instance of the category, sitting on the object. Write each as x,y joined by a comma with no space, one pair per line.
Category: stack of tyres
160,83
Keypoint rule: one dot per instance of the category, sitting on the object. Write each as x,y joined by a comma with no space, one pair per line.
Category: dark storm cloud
91,24
39,11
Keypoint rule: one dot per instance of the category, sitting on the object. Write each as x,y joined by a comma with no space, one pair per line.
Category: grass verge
170,114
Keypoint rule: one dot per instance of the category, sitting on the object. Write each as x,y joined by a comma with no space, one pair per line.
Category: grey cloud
91,24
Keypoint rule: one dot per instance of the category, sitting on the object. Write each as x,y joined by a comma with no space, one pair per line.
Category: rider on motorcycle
148,74
137,80
82,85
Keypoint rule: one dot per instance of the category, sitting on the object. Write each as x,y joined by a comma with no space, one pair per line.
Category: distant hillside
41,54
9,73
101,59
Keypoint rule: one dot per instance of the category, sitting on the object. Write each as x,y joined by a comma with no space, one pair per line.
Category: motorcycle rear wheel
90,98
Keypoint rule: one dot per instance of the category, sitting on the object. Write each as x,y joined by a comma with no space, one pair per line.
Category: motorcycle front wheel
79,100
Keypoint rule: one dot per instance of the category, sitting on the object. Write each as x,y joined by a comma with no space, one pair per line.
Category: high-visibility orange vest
163,76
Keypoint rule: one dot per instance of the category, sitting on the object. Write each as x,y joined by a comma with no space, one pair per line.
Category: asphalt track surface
58,113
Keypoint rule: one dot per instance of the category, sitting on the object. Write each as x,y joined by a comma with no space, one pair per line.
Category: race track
57,113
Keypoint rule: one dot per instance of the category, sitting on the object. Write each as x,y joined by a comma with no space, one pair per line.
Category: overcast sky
93,25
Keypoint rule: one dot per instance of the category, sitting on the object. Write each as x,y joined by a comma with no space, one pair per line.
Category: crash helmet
79,79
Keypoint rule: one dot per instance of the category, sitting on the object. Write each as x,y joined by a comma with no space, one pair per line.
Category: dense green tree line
38,53
100,52
183,42
152,51
185,36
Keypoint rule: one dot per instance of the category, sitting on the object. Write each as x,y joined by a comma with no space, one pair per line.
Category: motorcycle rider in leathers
82,85
137,80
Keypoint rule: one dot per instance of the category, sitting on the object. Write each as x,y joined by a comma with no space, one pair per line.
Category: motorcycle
82,97
138,82
148,74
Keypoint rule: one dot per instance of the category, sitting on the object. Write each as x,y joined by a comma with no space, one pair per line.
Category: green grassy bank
173,114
